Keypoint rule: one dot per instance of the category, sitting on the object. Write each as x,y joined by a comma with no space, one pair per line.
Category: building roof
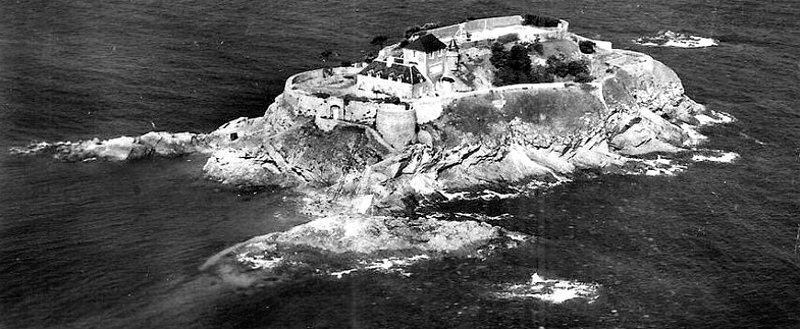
427,43
406,73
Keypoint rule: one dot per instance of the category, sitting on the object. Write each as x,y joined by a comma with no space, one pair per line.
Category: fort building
427,53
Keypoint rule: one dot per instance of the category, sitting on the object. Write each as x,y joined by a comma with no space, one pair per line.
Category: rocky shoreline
364,193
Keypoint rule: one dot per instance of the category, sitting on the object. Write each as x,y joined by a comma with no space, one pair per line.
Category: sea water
117,245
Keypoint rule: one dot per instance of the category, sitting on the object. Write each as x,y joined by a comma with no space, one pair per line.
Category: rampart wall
509,24
477,26
306,104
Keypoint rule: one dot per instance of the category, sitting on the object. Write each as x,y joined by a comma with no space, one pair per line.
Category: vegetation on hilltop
514,66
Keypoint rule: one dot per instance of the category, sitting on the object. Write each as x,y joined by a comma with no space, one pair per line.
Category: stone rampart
428,109
489,28
476,26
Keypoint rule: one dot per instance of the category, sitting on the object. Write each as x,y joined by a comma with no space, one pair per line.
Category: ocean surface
117,245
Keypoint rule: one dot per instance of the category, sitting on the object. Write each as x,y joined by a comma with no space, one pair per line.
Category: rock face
636,105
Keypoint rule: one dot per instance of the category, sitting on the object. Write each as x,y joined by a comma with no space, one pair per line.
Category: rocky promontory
512,104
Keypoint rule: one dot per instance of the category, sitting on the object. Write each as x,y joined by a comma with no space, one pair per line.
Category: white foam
724,157
258,262
659,167
386,265
494,195
676,40
695,137
553,291
339,274
718,118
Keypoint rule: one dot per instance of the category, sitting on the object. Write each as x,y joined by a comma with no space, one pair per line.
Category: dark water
117,245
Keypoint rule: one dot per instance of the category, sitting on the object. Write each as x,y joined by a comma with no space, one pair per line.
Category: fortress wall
478,25
362,112
446,32
388,87
428,109
484,24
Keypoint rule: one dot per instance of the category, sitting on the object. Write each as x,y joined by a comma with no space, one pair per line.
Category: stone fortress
410,83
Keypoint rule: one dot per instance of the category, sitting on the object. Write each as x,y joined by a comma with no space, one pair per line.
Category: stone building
394,78
427,53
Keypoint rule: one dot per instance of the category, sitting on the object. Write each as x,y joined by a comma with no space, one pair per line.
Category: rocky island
488,104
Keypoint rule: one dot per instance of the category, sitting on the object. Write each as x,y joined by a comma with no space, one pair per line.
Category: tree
379,40
586,46
327,54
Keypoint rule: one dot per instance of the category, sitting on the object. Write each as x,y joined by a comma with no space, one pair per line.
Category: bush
507,38
410,31
539,74
379,40
586,46
583,77
556,65
512,66
369,57
540,21
536,46
430,25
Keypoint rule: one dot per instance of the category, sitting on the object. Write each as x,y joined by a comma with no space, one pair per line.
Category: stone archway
336,112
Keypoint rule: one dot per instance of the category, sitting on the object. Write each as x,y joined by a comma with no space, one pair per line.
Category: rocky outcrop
636,106
122,148
365,185
344,243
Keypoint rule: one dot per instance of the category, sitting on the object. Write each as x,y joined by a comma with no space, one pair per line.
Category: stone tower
452,57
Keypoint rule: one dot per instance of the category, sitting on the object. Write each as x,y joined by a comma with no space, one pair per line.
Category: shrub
556,65
577,67
536,46
583,77
369,57
512,66
379,40
586,46
507,38
539,74
540,21
410,31
430,25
